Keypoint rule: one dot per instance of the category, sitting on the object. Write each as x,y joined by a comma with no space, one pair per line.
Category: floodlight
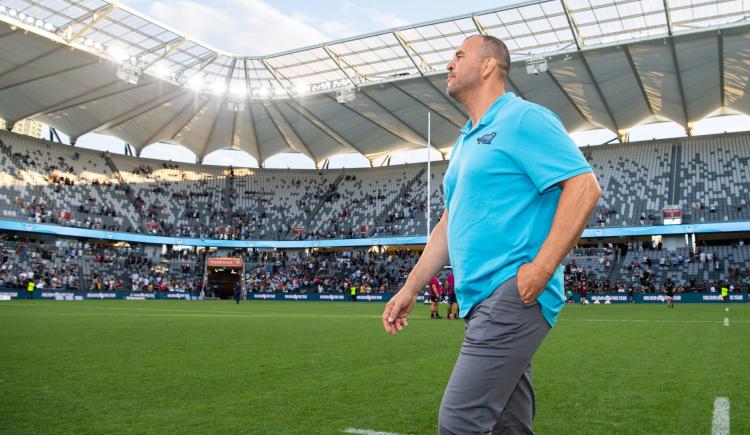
129,74
536,66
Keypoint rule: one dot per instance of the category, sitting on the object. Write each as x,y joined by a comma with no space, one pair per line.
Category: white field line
353,430
726,321
641,321
415,316
720,424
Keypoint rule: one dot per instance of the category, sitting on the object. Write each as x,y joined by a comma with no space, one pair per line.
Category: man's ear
488,66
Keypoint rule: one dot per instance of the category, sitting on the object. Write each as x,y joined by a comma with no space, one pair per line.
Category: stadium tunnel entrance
223,274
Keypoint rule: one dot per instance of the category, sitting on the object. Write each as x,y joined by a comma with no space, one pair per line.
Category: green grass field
307,367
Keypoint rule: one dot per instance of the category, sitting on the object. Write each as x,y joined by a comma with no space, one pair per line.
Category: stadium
117,269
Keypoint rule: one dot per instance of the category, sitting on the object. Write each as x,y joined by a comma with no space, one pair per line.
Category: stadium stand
67,263
40,181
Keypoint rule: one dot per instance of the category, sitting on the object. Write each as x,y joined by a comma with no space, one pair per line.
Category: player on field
669,290
450,297
435,292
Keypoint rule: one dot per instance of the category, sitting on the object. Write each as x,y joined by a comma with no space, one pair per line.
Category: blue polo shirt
501,195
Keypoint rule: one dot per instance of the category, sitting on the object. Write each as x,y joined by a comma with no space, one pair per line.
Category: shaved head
495,48
479,62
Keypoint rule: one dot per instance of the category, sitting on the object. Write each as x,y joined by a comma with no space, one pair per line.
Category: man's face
463,70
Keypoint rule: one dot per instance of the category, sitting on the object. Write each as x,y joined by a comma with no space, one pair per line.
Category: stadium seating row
707,177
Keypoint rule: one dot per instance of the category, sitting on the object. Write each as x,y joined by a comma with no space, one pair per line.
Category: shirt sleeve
545,151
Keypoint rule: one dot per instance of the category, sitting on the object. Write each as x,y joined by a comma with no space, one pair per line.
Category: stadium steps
614,271
675,176
318,206
228,195
84,272
128,190
405,190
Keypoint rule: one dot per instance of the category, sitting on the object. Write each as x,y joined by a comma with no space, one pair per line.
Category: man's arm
577,200
434,257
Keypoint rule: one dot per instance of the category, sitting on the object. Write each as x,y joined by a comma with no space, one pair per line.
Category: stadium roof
596,63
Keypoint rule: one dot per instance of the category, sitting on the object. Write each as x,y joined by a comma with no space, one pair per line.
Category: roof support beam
48,75
283,135
673,50
213,127
276,76
421,103
401,121
190,118
307,150
720,38
234,128
478,24
568,97
74,102
253,125
335,58
371,121
168,47
638,78
137,111
32,60
573,26
250,114
45,109
311,118
204,63
600,94
95,16
160,131
406,47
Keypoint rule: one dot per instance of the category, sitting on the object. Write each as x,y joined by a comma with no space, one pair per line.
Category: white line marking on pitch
720,425
366,431
726,321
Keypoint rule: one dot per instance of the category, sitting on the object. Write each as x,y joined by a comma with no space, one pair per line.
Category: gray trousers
490,390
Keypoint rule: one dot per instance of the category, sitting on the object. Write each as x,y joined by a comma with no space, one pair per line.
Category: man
353,292
669,290
30,289
583,292
724,293
435,292
518,194
237,292
450,295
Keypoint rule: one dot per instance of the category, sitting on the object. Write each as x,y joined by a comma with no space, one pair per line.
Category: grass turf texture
306,367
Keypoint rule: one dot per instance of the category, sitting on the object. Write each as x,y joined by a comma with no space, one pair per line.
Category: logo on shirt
487,138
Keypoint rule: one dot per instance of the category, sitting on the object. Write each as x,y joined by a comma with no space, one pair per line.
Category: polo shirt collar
490,113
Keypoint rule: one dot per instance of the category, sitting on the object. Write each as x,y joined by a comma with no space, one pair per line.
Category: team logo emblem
487,138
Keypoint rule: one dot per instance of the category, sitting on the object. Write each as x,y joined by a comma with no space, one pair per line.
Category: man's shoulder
520,112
